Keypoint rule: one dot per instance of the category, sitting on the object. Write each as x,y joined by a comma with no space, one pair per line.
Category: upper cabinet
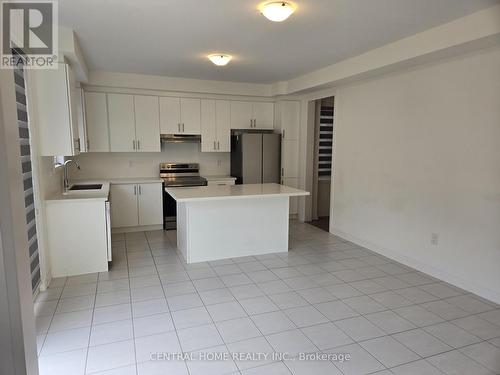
215,126
121,123
241,115
80,114
133,122
147,123
96,121
288,119
252,115
170,115
263,115
54,92
180,115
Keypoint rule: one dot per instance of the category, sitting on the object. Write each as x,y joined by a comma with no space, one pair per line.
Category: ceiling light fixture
277,11
219,59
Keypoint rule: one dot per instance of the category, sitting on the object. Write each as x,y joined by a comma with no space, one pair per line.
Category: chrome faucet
65,173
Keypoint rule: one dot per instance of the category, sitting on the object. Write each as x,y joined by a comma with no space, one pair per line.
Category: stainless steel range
177,175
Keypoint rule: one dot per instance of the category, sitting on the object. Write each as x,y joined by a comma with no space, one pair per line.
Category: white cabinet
223,121
135,205
134,123
96,121
121,122
241,115
263,114
80,118
147,123
180,115
288,119
252,115
170,115
54,93
288,124
215,126
77,236
150,203
124,210
289,158
190,116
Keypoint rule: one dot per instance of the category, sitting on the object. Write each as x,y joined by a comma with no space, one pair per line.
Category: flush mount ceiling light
219,59
277,11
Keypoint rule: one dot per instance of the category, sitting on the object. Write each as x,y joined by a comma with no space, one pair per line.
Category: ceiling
172,37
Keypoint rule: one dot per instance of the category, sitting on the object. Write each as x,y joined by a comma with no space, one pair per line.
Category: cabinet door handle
282,171
179,127
218,145
251,123
138,144
133,145
135,189
140,190
214,145
283,133
254,122
88,145
183,129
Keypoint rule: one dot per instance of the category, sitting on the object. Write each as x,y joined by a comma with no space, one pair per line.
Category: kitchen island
218,222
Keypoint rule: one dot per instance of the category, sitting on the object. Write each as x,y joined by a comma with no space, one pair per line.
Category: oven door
169,211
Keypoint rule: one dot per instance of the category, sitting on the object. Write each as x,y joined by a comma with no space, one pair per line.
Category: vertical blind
325,142
29,199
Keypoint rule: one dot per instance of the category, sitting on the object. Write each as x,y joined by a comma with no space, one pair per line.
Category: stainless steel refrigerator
255,157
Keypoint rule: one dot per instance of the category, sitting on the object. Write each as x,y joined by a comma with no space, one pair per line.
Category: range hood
180,138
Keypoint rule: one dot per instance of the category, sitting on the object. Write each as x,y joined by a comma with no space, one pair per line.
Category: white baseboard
459,281
137,229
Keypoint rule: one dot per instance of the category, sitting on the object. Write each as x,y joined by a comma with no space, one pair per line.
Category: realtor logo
29,27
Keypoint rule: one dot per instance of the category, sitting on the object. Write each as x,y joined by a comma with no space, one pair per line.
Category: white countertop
102,194
197,193
98,195
219,178
134,180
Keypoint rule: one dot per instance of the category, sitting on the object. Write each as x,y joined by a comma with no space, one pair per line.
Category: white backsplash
141,164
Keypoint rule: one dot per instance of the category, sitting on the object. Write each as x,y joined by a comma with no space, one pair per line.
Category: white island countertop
207,193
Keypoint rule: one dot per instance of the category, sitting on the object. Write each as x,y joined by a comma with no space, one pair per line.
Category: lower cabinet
135,205
150,206
77,236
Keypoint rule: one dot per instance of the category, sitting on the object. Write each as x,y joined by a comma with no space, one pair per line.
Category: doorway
324,133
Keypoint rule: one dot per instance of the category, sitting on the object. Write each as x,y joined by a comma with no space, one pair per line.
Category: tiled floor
324,296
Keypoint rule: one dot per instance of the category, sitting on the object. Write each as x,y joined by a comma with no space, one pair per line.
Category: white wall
122,165
418,153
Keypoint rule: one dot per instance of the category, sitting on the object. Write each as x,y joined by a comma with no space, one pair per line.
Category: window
324,141
29,193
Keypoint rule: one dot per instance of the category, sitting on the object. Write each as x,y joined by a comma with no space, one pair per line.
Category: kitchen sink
86,187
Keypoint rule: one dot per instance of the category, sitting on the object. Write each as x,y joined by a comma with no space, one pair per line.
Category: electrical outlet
434,239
